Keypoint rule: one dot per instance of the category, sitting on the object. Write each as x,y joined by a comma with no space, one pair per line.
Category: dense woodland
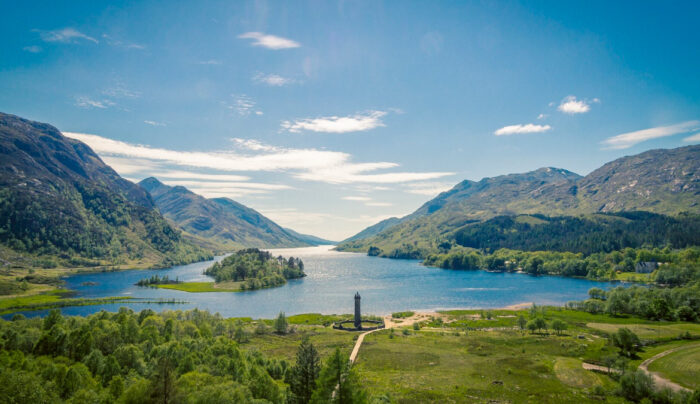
173,357
678,266
256,269
93,226
585,234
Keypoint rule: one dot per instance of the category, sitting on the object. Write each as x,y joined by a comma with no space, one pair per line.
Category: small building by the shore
645,267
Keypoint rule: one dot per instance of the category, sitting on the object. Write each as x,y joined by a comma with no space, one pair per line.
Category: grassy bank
202,287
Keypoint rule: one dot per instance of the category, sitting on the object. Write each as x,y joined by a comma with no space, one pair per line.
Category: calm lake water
332,279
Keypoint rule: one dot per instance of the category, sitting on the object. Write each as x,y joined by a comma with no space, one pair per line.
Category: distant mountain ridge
307,238
221,219
59,199
664,181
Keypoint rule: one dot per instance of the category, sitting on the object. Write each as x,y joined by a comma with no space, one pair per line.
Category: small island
256,269
247,269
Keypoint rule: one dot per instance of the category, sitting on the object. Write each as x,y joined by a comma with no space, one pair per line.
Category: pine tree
302,376
338,383
281,324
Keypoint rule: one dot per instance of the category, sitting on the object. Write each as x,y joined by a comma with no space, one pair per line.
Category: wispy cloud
542,116
210,62
428,188
243,105
357,198
154,123
379,204
570,105
693,138
122,44
337,124
87,102
304,164
32,49
119,91
518,129
272,79
65,35
269,41
629,139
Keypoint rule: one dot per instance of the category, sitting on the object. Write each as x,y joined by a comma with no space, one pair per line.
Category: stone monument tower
358,317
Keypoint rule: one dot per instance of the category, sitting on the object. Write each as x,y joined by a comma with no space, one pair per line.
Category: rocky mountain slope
659,181
59,201
220,219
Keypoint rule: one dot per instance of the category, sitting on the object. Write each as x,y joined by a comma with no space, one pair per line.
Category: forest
256,269
604,232
172,357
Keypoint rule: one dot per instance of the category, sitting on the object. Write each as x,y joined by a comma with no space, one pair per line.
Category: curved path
389,322
661,381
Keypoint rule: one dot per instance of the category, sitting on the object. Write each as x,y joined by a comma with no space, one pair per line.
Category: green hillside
222,220
661,181
60,205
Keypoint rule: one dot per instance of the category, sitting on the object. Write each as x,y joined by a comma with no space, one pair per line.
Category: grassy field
478,366
651,331
201,287
325,339
682,366
635,277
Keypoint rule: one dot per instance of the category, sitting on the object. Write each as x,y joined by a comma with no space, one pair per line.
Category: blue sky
329,116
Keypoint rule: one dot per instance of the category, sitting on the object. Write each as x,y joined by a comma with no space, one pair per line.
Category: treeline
257,269
671,304
172,357
157,280
604,232
678,267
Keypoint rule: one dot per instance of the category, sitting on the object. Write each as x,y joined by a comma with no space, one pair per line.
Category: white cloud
270,41
121,44
65,35
32,49
274,80
154,123
120,91
357,198
517,129
224,184
304,164
378,204
243,105
693,138
337,124
210,62
87,102
428,188
199,176
570,105
542,116
626,140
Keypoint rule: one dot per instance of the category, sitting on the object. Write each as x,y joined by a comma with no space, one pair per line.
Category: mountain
60,204
660,181
220,219
309,239
374,229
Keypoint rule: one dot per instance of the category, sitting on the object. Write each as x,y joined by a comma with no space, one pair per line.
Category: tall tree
281,324
302,376
337,382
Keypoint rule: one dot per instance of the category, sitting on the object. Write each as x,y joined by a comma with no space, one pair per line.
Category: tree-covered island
256,269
